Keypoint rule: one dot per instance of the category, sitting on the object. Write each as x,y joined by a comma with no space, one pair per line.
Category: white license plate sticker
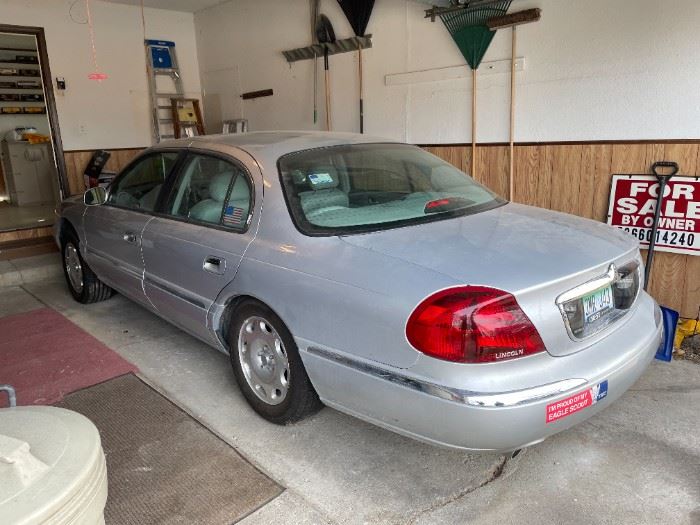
596,304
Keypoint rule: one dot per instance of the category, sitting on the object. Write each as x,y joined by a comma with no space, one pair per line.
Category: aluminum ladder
164,83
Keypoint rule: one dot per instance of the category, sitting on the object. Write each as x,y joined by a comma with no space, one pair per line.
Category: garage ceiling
189,6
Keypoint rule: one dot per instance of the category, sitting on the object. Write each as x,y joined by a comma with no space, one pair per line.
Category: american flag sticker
233,216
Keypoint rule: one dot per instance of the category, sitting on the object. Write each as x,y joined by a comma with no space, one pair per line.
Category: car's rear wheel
268,367
84,285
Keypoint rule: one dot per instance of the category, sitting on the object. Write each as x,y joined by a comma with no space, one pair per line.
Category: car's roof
277,143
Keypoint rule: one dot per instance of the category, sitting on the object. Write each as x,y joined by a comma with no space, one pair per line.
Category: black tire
92,290
301,400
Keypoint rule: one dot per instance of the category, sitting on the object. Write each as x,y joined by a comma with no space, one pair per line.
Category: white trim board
452,72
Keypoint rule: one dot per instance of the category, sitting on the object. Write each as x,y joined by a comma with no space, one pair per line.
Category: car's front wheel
84,285
268,367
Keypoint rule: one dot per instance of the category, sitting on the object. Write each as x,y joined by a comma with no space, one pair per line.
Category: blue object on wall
670,319
161,57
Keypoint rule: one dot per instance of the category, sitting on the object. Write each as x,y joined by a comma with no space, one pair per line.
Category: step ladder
186,117
164,83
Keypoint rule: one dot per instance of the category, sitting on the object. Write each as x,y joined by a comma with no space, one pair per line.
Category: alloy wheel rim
73,267
263,359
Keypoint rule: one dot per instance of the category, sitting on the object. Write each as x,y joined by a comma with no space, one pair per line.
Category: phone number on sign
669,238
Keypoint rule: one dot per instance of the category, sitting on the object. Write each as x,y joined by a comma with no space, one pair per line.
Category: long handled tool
314,17
467,26
670,317
513,20
358,13
474,84
663,179
325,36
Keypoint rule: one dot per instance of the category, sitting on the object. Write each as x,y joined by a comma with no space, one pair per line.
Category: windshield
367,187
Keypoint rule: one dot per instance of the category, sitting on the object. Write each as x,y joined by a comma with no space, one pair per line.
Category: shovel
670,317
325,35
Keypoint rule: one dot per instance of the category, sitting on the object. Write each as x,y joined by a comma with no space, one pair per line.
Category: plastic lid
48,456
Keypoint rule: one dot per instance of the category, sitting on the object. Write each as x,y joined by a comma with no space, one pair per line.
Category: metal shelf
13,63
19,49
30,77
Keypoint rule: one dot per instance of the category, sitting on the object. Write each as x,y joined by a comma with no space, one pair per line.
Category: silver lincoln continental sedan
372,277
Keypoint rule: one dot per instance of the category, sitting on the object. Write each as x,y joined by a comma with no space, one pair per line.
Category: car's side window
138,188
210,190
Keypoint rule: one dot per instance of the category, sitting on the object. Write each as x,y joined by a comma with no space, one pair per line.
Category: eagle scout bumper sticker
577,402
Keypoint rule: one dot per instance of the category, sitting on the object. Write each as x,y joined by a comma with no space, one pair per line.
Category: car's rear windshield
366,187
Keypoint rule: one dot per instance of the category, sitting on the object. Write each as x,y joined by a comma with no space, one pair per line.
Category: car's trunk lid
532,253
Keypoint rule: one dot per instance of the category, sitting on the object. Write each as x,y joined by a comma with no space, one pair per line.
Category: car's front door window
212,191
138,188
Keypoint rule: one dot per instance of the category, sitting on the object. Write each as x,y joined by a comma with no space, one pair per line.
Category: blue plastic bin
670,318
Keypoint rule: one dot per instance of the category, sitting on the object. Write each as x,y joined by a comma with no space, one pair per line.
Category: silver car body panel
184,292
346,301
113,248
456,424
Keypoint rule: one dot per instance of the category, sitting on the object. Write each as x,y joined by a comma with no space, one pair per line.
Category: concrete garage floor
637,462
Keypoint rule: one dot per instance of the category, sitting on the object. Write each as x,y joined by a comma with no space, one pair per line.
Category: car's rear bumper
486,421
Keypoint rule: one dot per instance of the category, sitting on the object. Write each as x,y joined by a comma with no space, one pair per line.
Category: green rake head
469,31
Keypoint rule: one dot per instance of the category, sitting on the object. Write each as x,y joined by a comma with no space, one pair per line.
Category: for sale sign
633,204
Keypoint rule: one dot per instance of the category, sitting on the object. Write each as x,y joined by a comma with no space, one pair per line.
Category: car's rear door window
366,187
210,190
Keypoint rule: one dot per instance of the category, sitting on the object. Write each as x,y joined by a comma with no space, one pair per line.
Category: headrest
447,178
218,187
322,178
239,191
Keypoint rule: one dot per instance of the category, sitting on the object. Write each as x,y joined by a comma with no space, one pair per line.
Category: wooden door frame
47,81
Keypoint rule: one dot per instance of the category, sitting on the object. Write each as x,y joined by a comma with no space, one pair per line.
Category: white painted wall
595,70
114,113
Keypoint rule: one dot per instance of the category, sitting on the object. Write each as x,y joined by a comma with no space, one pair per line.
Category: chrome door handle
214,265
129,237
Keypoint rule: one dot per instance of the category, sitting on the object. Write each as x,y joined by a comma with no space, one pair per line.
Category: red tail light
472,324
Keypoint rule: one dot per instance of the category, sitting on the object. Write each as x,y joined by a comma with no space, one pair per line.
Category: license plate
596,304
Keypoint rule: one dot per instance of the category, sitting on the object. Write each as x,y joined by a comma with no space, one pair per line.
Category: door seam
143,264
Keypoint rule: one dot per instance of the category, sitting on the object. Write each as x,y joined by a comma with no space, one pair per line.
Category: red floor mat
44,356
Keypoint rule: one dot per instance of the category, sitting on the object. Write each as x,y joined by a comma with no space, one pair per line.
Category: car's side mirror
95,196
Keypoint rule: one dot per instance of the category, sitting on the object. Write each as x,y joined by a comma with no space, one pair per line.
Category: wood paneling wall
21,235
77,160
575,178
75,166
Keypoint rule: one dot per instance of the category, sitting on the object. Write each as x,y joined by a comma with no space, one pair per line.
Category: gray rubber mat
163,466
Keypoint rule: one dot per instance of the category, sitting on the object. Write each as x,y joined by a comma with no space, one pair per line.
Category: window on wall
138,188
212,191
